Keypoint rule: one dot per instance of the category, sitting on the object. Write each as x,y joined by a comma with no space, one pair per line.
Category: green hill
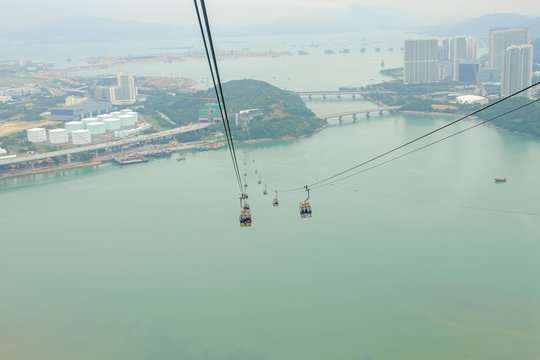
525,120
285,114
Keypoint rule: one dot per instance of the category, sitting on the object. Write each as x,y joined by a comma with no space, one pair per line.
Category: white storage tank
112,124
89,120
74,125
116,113
58,136
81,137
96,127
36,135
125,111
103,117
135,115
128,119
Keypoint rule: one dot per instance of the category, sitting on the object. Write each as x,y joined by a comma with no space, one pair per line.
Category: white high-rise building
421,61
125,92
517,69
501,39
459,51
472,47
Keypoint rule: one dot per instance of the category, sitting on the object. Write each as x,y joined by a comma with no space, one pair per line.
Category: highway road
104,145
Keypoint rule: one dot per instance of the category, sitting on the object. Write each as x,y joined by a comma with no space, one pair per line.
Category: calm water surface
423,258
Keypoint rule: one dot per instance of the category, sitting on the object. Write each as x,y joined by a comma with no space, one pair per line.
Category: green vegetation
285,114
31,109
525,121
395,73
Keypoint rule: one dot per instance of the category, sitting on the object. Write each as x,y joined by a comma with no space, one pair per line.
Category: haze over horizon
234,12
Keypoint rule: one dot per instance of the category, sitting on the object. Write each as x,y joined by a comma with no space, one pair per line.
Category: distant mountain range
480,26
358,18
88,29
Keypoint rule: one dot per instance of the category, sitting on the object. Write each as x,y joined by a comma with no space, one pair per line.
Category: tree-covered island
284,113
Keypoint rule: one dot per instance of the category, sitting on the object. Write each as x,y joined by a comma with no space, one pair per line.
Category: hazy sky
18,13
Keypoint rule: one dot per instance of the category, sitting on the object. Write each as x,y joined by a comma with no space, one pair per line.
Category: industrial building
80,110
210,113
244,117
467,71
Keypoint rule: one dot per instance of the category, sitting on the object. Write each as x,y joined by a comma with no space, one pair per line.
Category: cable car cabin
275,202
246,206
259,182
245,218
265,192
305,210
246,196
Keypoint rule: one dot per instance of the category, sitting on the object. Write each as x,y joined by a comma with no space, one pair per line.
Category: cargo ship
128,160
500,179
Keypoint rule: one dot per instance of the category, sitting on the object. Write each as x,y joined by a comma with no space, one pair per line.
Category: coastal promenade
103,145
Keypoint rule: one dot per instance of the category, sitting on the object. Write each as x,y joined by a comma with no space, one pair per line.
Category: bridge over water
354,113
339,93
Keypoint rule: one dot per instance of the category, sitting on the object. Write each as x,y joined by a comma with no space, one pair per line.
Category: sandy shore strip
12,127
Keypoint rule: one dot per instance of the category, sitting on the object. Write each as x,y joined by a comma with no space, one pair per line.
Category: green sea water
423,258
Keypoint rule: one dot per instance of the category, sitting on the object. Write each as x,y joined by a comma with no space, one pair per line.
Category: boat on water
157,153
128,160
500,179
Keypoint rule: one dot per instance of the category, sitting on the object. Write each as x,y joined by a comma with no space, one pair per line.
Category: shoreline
174,148
95,162
194,144
28,172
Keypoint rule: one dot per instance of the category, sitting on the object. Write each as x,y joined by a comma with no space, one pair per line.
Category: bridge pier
32,164
354,117
68,158
380,113
367,114
324,96
309,96
339,96
354,96
340,120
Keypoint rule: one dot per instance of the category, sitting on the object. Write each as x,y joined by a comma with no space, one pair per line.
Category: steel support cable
430,144
222,105
414,140
227,134
217,83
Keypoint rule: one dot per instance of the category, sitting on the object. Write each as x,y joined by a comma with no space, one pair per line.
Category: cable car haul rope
305,207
